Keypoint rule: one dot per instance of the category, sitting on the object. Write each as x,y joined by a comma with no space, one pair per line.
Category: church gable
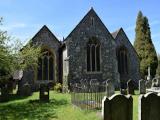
128,61
46,38
89,26
122,40
90,49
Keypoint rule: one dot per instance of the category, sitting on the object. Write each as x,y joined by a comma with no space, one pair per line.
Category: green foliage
144,46
13,57
158,68
58,87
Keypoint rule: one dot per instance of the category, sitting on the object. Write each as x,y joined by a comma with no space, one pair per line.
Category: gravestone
130,87
148,84
149,77
26,88
117,107
149,107
142,86
110,90
44,92
123,91
4,94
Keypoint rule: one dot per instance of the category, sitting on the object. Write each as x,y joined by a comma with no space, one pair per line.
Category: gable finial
91,8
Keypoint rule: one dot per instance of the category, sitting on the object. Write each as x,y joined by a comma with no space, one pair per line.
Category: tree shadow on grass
31,110
12,97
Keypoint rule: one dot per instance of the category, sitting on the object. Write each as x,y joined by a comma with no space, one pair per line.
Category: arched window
46,66
93,55
122,61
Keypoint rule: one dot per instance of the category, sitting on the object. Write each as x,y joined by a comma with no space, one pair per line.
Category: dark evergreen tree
144,46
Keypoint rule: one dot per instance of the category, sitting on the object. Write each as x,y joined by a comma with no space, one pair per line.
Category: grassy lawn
59,108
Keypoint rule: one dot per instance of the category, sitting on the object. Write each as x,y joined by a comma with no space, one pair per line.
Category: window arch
46,66
122,60
93,55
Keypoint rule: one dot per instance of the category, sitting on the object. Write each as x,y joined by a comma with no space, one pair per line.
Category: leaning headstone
149,107
117,107
44,92
142,86
110,90
130,87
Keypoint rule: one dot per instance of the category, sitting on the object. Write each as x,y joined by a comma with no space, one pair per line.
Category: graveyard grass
59,108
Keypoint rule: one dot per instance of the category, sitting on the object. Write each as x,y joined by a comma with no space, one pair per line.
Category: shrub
58,87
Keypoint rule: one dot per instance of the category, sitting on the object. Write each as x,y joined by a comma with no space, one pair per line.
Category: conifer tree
144,46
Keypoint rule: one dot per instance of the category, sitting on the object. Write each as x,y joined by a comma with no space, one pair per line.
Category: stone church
89,52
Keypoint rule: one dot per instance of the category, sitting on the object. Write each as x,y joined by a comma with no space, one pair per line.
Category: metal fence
88,95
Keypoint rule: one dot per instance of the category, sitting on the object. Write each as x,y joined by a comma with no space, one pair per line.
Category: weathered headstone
110,90
149,107
142,86
117,107
44,92
148,84
4,94
130,87
123,91
26,88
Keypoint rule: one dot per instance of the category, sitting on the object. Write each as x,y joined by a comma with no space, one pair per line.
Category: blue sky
23,18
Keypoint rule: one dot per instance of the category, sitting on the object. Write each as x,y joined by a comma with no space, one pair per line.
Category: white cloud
10,27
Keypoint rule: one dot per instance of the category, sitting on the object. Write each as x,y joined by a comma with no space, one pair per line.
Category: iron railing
88,95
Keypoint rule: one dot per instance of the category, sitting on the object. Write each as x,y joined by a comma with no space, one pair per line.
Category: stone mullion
124,65
42,66
95,58
120,61
90,47
48,66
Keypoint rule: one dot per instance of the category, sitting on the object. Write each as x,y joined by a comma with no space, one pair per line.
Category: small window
92,21
93,56
122,61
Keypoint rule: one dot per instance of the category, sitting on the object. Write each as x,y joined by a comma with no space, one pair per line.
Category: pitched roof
92,13
114,34
45,28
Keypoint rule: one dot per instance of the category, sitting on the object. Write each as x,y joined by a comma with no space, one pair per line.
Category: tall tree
144,46
13,56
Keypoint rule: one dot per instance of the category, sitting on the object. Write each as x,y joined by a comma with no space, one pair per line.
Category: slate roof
114,34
